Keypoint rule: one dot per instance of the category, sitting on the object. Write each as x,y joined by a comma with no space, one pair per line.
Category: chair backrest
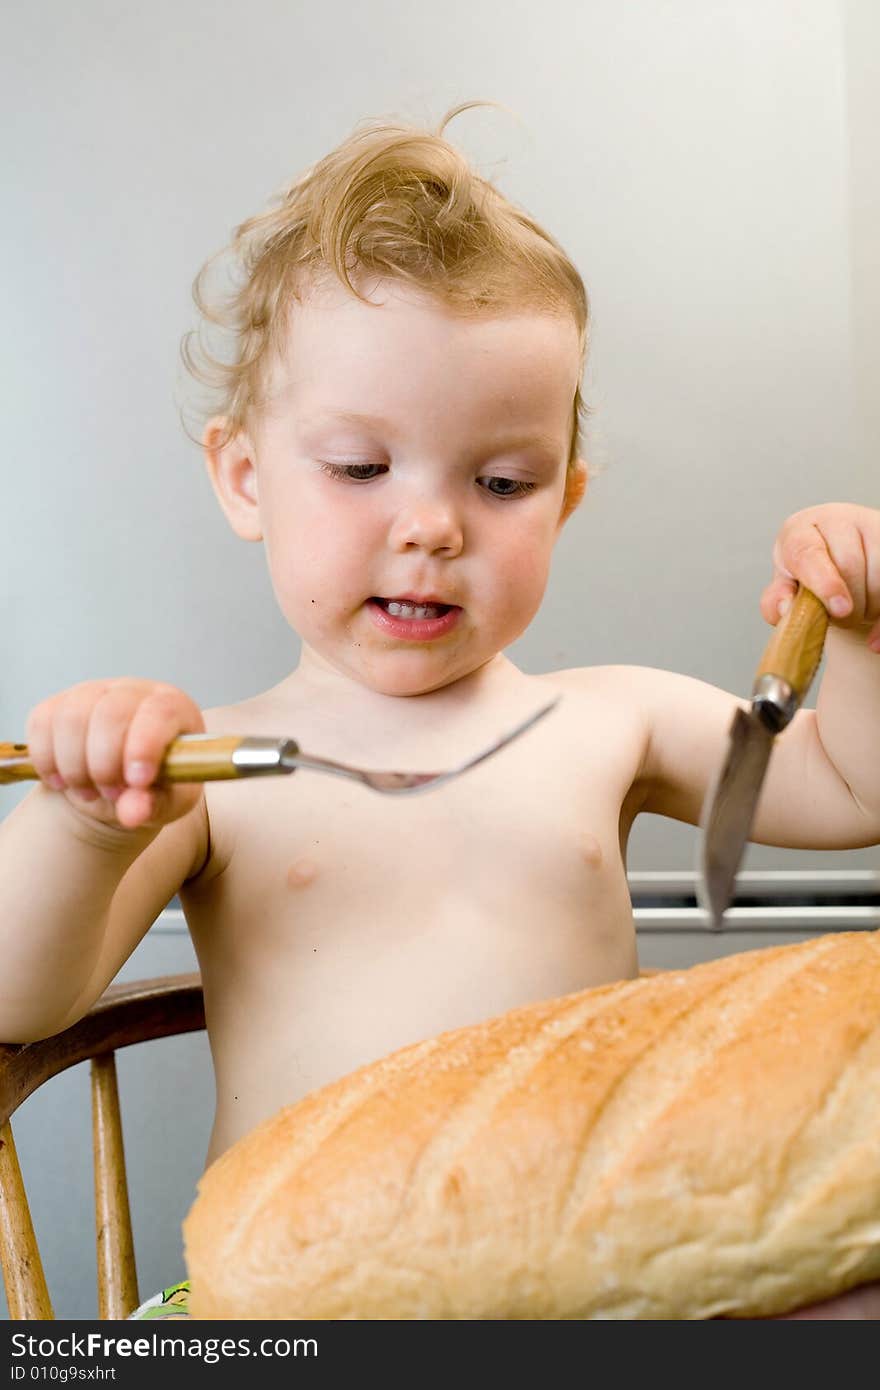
125,1014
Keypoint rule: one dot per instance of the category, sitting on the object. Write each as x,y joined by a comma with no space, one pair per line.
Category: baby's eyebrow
496,444
510,442
349,417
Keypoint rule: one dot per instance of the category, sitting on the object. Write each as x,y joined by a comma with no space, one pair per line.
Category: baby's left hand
835,551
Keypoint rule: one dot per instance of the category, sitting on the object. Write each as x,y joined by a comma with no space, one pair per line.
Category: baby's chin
404,688
408,674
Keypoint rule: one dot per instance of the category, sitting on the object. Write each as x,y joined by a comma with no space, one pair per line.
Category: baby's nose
430,524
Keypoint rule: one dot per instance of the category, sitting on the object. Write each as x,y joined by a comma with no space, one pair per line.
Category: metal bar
803,882
801,918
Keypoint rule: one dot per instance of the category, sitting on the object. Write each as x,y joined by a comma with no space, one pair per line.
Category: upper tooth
409,610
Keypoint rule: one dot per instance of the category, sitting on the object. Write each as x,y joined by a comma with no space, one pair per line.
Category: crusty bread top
701,1143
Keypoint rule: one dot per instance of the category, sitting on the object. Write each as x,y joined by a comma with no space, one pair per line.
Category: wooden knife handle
795,649
191,758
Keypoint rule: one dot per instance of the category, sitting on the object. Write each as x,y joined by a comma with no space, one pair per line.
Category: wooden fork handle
190,758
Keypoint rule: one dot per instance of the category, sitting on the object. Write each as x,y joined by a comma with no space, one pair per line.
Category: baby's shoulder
227,808
637,700
242,717
632,685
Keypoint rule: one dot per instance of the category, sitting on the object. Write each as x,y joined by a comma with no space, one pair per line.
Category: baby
400,428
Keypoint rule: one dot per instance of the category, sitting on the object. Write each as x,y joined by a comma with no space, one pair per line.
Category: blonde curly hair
392,201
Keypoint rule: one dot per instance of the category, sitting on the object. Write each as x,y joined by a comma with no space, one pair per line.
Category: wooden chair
125,1014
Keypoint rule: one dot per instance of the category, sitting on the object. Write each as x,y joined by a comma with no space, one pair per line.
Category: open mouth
414,619
404,608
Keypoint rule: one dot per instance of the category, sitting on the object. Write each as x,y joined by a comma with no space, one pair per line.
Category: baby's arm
87,866
822,788
805,801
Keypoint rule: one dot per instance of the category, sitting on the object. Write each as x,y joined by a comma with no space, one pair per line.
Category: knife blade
782,680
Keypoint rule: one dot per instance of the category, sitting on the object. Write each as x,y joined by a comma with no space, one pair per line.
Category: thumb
777,596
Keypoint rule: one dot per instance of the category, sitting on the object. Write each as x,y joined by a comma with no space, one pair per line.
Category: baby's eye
355,472
506,487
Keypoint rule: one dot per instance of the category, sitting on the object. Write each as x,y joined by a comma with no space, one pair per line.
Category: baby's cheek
525,572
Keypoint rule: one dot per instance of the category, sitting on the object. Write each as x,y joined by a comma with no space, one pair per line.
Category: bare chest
343,924
520,860
545,826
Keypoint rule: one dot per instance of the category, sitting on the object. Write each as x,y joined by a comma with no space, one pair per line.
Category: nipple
301,873
591,850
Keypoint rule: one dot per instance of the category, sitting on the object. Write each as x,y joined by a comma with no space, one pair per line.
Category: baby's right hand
101,743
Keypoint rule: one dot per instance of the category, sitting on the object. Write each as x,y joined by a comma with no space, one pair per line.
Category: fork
213,758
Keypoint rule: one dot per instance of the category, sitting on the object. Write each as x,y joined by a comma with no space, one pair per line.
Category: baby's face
411,471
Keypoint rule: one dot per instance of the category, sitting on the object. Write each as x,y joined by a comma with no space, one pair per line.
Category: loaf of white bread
702,1143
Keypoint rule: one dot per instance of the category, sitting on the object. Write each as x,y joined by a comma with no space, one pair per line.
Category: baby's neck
315,674
366,723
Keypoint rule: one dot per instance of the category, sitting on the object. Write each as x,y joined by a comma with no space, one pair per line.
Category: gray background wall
710,165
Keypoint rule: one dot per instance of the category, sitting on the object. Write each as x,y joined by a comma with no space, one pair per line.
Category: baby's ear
576,478
229,457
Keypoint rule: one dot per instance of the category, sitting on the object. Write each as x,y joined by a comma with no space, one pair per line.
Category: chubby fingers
828,560
155,722
107,738
56,736
157,719
776,598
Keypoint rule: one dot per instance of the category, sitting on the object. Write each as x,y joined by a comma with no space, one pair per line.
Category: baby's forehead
423,369
391,326
407,360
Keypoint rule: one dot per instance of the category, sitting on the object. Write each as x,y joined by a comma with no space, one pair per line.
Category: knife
785,674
